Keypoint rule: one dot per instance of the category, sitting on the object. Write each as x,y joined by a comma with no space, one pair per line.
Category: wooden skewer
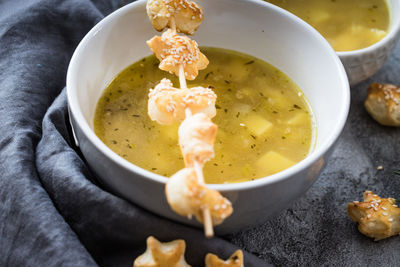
182,80
207,221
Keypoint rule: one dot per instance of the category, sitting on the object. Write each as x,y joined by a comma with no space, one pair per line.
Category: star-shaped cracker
236,260
174,50
378,218
383,103
186,14
157,254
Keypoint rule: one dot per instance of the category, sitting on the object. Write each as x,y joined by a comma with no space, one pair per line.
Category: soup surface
346,24
264,122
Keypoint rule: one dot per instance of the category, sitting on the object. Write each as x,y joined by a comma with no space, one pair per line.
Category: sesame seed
369,216
384,208
390,219
379,168
385,213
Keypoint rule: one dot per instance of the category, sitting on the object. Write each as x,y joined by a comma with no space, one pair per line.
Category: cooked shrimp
168,104
188,197
196,139
188,15
174,50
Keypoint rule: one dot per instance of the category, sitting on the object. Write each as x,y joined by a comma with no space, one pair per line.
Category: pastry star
236,260
157,254
174,50
187,15
377,217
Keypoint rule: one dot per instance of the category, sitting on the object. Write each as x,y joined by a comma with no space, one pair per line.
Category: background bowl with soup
252,38
362,32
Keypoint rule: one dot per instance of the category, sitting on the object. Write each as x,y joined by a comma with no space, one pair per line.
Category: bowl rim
311,158
393,33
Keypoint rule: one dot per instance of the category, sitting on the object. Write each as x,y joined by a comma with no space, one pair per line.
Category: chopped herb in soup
264,121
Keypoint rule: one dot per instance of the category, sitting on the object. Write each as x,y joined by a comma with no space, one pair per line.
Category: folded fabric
52,211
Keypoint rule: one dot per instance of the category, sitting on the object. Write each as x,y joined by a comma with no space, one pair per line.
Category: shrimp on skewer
186,191
188,197
167,104
186,14
196,139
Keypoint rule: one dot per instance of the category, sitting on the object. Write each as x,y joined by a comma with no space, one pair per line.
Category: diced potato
365,36
299,119
273,162
244,92
257,124
275,97
379,34
242,108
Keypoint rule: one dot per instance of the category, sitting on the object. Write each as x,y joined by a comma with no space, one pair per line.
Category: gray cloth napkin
52,212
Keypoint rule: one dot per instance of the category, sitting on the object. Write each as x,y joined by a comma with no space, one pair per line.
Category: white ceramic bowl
250,26
363,63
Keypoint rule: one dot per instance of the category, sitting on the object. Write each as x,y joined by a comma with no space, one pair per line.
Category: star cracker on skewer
174,50
157,254
187,15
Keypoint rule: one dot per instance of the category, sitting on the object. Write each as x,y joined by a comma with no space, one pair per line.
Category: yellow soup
346,24
264,122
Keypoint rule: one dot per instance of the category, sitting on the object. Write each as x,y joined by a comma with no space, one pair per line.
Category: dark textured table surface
46,220
316,230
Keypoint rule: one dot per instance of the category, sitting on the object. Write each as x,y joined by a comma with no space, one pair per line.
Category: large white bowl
363,63
249,26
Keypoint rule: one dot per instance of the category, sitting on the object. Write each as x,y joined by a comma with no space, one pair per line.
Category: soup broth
264,121
346,24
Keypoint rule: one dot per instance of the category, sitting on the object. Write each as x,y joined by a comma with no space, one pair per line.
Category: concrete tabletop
316,229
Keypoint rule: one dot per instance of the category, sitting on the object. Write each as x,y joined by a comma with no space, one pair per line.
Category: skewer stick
182,79
173,24
207,221
208,227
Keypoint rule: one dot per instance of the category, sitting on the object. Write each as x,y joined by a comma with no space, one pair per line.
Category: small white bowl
363,63
249,26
